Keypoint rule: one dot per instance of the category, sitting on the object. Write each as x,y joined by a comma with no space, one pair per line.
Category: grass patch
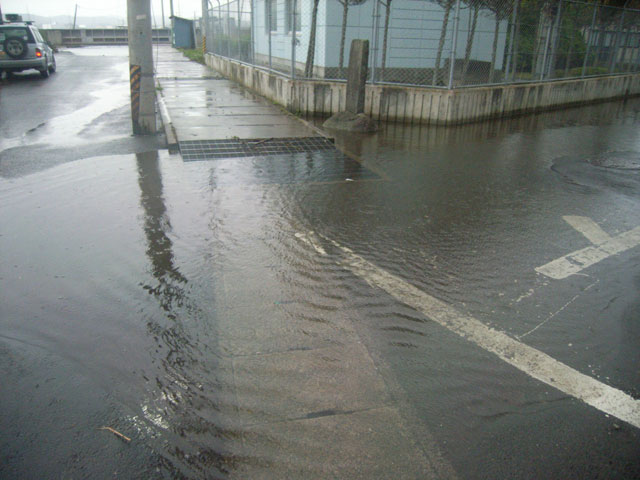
193,54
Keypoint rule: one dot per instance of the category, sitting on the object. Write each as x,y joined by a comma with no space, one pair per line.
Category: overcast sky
97,8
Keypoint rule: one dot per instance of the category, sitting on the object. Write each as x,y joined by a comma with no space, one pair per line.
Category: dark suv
23,48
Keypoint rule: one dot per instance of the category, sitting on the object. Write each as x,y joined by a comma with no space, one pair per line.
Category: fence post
238,25
220,30
293,38
514,51
229,28
252,23
374,28
586,54
267,4
514,14
454,44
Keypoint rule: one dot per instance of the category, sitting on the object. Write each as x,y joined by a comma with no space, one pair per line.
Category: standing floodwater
227,317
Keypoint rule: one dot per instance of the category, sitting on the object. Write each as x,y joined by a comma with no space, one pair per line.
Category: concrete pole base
351,122
353,119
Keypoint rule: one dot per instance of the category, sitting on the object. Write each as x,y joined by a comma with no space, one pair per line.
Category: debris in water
115,432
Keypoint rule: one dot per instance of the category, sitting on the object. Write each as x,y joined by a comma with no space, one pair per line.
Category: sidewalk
308,399
199,105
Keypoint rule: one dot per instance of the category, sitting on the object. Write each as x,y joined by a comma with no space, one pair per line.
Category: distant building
183,33
70,37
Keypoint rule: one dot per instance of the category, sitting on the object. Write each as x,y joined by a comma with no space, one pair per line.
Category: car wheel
44,72
52,67
15,47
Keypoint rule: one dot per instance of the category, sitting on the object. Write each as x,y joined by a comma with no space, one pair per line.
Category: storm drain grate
320,166
234,148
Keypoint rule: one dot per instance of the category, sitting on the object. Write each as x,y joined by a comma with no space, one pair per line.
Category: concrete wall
427,105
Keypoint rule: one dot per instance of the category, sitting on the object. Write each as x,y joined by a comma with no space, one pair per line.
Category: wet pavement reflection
208,299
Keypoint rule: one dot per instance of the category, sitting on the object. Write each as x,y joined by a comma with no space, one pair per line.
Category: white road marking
575,262
537,364
311,239
587,227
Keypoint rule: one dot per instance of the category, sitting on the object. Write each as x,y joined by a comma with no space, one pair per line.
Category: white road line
575,262
311,239
587,227
537,364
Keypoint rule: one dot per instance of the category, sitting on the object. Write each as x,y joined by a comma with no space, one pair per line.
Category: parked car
23,48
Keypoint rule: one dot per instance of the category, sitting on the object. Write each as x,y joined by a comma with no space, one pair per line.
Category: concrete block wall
406,104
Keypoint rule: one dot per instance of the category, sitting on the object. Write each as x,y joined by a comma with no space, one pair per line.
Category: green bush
193,54
577,72
524,76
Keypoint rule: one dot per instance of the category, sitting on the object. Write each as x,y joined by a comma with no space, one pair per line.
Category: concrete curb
169,129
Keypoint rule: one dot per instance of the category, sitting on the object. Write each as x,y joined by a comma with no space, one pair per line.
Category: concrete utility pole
205,24
143,95
162,11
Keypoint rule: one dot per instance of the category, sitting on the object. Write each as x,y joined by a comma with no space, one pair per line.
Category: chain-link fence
441,43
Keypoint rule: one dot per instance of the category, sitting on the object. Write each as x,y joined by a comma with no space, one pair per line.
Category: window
271,15
289,5
36,33
20,32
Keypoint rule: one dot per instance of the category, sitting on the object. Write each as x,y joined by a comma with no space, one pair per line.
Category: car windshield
20,32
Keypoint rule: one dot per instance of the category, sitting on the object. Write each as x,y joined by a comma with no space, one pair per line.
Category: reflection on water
246,352
308,167
170,288
411,137
186,395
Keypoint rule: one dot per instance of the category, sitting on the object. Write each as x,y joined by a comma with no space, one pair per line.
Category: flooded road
231,316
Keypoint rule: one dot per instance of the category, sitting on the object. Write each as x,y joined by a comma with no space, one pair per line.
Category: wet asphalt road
130,283
88,102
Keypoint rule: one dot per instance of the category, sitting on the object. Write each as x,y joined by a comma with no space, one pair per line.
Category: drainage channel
276,160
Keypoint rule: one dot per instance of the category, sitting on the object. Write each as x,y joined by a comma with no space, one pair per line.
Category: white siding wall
414,33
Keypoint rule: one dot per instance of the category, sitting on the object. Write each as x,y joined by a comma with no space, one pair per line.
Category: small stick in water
115,432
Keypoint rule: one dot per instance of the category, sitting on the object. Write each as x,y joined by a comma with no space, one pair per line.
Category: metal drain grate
234,148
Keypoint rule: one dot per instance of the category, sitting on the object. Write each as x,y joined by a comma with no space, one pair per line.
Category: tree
575,18
501,10
546,30
386,36
474,9
311,51
447,5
